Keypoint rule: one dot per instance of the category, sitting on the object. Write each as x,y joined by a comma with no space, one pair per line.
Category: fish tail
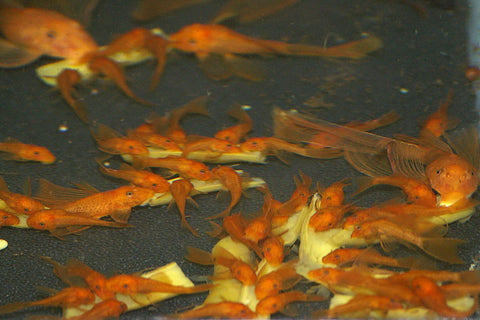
12,307
444,249
197,106
185,224
216,230
364,183
222,214
200,288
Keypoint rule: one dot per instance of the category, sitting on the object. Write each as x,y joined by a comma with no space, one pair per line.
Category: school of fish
319,237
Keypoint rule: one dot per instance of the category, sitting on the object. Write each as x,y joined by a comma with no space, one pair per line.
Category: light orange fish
417,191
32,32
272,146
275,303
77,269
146,133
439,121
68,297
105,309
273,250
216,146
66,81
111,141
225,309
18,151
61,223
361,303
444,249
240,270
233,182
19,203
169,125
116,203
187,168
181,190
237,132
235,226
328,218
132,284
433,298
141,178
284,278
333,195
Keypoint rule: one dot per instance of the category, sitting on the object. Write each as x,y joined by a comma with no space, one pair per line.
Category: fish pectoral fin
12,56
245,68
121,215
214,66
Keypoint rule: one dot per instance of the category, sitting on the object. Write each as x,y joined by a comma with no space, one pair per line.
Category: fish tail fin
470,276
216,231
199,256
222,214
113,71
201,288
157,45
12,307
444,249
363,183
415,262
197,105
186,225
355,49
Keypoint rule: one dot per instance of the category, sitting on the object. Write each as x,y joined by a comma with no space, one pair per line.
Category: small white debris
3,244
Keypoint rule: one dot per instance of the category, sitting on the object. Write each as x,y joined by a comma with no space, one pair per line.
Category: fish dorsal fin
199,256
12,56
87,187
245,68
79,10
55,195
429,139
3,185
214,66
466,145
373,165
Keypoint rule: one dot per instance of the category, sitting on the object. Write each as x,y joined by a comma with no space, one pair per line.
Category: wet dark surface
423,57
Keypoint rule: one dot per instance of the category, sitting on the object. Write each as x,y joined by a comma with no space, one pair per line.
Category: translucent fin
13,56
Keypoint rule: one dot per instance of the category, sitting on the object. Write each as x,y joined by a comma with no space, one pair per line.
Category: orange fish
111,141
417,192
112,70
187,168
77,269
328,218
181,190
132,284
273,250
66,81
298,199
433,298
141,178
235,226
19,203
283,278
275,303
444,249
214,145
236,133
272,146
222,310
18,151
208,40
472,73
333,195
233,182
146,133
60,222
240,270
439,121
32,32
363,303
343,256
106,309
116,203
260,227
68,297
8,219
169,125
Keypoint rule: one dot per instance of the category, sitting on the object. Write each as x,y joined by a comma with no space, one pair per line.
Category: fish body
186,168
8,219
181,190
110,308
19,203
284,278
214,145
232,181
237,132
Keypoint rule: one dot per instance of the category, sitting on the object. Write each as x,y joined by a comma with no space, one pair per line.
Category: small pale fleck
94,92
404,90
246,107
63,128
3,244
106,164
364,34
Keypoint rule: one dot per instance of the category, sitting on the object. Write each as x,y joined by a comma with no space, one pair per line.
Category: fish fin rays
12,56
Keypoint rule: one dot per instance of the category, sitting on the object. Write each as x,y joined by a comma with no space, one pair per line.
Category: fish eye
51,34
5,217
130,147
26,210
97,287
439,171
125,286
202,171
42,224
36,153
129,193
192,41
154,184
337,256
